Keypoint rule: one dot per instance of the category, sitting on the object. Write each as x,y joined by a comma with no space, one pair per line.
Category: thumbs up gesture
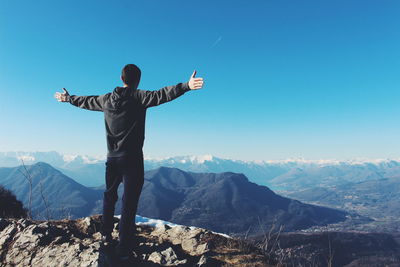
195,83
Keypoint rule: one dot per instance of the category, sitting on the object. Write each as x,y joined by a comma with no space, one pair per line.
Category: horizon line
68,157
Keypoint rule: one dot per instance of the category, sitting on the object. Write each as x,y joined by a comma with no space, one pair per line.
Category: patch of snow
26,158
85,158
69,158
152,222
140,220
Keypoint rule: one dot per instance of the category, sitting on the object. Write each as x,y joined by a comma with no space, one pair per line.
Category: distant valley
377,199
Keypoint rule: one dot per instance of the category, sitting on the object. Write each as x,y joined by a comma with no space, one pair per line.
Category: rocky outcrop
26,242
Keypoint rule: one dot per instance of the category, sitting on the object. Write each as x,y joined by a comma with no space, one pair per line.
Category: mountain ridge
15,157
222,202
277,175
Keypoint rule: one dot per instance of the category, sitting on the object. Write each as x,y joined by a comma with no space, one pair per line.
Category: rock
26,242
193,247
202,249
6,235
155,257
161,229
202,261
171,258
166,257
23,222
188,238
177,233
42,244
89,226
205,261
195,232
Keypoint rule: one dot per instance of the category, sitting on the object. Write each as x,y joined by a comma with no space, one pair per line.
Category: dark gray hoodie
125,114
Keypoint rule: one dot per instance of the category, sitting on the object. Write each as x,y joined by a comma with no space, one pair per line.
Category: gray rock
40,245
202,261
205,261
25,242
188,238
88,226
155,257
194,247
6,235
166,257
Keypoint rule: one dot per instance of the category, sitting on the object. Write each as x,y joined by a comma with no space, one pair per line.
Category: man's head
131,75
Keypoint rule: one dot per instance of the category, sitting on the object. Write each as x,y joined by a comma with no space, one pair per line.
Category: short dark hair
131,74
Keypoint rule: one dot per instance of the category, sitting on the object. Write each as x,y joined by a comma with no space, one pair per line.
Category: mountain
86,170
90,170
56,159
284,175
258,172
50,188
222,202
14,159
92,174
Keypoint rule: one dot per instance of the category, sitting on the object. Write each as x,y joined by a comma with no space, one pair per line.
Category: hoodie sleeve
166,94
92,102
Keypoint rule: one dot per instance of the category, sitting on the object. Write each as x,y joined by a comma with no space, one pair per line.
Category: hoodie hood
120,97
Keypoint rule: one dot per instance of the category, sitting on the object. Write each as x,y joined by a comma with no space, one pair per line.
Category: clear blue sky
284,79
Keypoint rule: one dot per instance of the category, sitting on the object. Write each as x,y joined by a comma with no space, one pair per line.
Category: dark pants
130,171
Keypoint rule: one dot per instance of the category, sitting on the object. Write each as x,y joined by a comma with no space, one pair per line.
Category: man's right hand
62,97
195,83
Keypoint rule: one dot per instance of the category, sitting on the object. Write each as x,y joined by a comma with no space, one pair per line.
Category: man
125,113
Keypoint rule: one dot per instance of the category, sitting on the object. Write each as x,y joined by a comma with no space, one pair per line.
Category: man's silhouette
125,113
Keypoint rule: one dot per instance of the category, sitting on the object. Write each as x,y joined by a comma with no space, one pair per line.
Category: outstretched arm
168,93
93,102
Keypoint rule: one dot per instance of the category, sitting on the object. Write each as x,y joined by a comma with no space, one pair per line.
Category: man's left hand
194,82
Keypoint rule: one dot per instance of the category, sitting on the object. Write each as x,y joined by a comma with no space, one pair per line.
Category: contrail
217,41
